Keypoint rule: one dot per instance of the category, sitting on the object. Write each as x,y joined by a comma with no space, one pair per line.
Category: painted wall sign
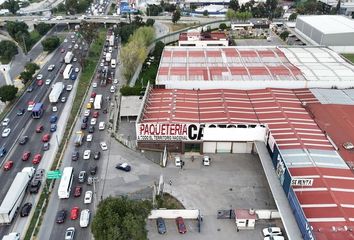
301,182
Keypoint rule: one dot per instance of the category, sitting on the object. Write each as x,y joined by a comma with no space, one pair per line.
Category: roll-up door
223,147
239,147
209,147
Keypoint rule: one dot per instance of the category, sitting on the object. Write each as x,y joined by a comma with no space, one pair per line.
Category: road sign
53,174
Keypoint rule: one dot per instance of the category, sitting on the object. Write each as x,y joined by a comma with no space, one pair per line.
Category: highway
50,229
26,125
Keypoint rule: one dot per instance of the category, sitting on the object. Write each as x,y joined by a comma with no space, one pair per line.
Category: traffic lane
82,165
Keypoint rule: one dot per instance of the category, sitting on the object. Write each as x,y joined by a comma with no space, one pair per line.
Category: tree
176,16
205,13
146,34
222,26
25,76
127,219
89,31
153,10
150,22
43,28
14,28
231,15
12,6
293,16
8,50
138,21
51,43
8,93
159,46
234,5
126,31
31,68
271,5
338,7
284,35
132,54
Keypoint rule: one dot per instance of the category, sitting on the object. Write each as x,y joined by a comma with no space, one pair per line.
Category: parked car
180,225
46,137
103,146
161,226
61,215
97,155
87,112
53,127
271,231
85,218
46,146
274,238
101,126
53,119
26,209
70,233
69,87
124,166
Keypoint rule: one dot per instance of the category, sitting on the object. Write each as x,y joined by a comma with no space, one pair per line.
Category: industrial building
253,68
204,39
228,100
334,31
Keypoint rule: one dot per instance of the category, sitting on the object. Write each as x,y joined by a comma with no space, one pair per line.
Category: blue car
53,127
53,119
73,76
2,151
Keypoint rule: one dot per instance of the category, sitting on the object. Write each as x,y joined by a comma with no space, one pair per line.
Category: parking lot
232,181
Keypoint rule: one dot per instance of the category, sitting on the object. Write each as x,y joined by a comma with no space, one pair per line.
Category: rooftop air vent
348,145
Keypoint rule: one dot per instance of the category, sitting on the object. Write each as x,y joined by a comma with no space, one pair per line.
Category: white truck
12,236
79,135
97,104
68,57
108,57
57,89
111,40
13,199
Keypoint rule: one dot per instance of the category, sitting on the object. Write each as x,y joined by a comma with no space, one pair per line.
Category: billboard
178,131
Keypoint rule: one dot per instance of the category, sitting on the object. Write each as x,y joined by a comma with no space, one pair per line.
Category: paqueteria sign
175,131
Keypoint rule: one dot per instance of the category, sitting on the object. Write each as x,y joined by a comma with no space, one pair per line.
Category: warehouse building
334,31
253,68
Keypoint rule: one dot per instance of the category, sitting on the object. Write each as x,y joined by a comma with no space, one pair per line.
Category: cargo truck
79,135
68,57
13,199
108,57
56,92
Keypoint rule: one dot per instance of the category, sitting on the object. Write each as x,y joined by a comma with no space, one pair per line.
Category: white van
113,63
101,126
178,161
85,218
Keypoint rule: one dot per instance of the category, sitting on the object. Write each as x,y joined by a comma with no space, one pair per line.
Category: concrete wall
174,213
267,214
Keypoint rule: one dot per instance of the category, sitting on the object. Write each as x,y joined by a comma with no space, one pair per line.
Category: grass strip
84,83
349,56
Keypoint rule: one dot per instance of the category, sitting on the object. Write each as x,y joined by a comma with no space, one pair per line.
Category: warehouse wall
343,39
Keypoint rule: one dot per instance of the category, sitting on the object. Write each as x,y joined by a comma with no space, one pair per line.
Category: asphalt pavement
26,125
50,229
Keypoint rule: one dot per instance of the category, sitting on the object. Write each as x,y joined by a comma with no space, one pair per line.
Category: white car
89,138
48,81
85,218
69,87
115,81
93,121
51,67
55,109
101,126
77,70
70,233
103,146
87,112
101,64
271,231
112,89
94,85
178,161
274,238
206,161
88,197
39,76
91,100
5,122
65,40
6,132
87,154
75,59
30,106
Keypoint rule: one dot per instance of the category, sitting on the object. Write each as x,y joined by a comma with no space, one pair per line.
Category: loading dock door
209,147
242,147
223,147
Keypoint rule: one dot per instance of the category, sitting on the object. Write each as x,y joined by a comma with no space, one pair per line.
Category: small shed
245,218
130,107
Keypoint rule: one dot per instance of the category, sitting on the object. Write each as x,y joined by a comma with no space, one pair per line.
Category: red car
26,155
77,192
93,94
74,214
8,165
95,114
62,50
46,138
180,225
39,128
37,158
40,82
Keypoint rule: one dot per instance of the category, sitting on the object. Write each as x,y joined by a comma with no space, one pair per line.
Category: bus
97,104
66,182
37,110
67,71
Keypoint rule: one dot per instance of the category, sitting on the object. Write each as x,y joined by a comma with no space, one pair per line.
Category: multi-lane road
50,229
25,125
